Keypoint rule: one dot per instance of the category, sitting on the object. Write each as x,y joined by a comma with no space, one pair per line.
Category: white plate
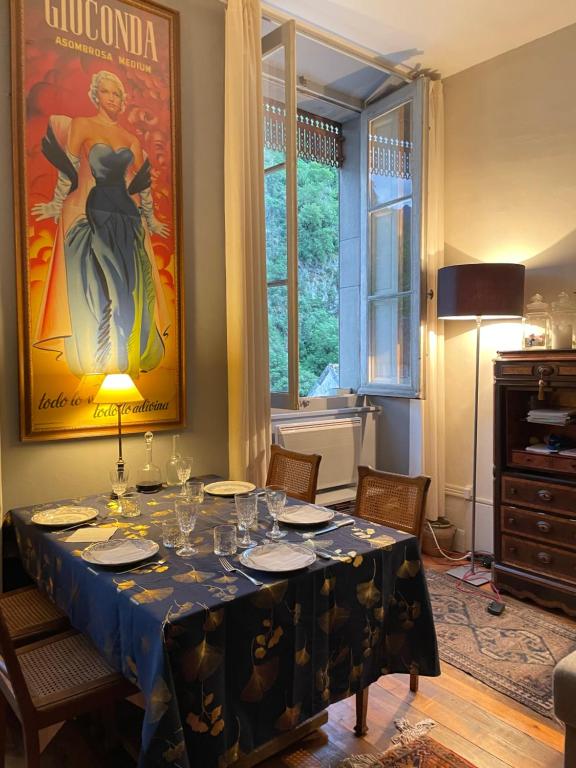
305,514
62,516
229,487
120,551
278,557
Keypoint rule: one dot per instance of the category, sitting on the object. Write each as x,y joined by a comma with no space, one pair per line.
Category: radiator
338,441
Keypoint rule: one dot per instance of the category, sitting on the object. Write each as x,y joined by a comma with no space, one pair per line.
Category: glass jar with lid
563,323
536,324
149,479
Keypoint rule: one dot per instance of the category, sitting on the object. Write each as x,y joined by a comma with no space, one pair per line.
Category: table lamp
479,292
118,389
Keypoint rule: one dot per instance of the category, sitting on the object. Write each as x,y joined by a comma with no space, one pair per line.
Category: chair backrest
296,472
397,501
12,683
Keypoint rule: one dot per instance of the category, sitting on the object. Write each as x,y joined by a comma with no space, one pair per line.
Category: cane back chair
397,501
30,615
51,681
296,472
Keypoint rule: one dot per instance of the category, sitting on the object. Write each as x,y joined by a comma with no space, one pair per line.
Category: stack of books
558,416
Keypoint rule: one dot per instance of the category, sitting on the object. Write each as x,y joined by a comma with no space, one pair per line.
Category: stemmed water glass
186,513
246,512
275,500
184,469
119,480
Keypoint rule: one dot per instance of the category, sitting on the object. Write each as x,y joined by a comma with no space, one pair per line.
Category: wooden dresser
534,494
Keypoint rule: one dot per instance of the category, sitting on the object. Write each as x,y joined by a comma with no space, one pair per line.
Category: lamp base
476,578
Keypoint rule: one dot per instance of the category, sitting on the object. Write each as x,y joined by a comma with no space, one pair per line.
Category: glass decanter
172,463
149,479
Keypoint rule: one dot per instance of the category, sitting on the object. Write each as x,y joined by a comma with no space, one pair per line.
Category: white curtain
433,419
246,300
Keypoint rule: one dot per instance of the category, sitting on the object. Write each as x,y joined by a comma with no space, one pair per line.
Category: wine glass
246,511
186,513
184,469
119,480
275,500
195,491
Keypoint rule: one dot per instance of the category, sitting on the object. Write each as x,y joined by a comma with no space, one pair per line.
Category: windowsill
314,404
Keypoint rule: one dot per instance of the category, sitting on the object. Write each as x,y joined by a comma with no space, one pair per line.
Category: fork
227,565
143,565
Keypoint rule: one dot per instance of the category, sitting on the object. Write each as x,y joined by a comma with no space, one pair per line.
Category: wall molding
465,492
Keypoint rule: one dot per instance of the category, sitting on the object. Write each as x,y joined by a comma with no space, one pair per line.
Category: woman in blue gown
112,322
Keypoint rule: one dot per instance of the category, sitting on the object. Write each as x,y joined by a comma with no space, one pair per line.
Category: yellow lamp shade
118,388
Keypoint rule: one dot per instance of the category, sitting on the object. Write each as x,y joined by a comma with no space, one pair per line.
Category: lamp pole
475,446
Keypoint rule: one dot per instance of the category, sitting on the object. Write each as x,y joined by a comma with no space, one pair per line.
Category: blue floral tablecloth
224,665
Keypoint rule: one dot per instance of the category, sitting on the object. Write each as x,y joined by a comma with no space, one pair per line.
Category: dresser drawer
539,495
538,525
539,558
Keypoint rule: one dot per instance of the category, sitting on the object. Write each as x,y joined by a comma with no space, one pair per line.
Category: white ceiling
445,36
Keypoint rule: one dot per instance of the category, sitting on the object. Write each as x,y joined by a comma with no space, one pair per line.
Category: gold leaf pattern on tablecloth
200,662
302,657
193,577
213,619
196,723
356,672
328,585
289,718
158,701
162,512
333,618
269,595
408,569
152,595
261,680
182,610
174,753
275,639
122,585
217,728
368,593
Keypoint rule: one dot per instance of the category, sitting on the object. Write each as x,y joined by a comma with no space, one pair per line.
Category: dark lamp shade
488,291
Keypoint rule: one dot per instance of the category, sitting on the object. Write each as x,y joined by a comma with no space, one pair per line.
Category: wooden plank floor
480,724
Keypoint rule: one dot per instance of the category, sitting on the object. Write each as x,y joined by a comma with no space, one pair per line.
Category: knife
332,527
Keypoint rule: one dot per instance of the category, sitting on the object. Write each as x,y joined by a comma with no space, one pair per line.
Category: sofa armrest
564,679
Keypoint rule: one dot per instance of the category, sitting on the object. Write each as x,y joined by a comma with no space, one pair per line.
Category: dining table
224,665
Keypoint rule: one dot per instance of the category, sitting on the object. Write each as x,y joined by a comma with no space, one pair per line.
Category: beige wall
510,196
50,470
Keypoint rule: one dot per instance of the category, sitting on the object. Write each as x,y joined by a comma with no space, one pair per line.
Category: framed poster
97,213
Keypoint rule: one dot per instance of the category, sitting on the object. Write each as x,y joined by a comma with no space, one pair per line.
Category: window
342,199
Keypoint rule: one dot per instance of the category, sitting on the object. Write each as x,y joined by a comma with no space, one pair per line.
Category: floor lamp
479,292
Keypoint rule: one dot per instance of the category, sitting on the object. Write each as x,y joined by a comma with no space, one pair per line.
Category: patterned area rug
514,653
412,751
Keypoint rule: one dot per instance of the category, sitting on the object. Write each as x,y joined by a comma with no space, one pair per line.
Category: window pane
274,98
278,337
318,277
390,155
390,246
390,341
275,208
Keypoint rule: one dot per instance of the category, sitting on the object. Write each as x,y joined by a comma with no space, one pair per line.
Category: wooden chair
50,681
296,472
399,502
30,615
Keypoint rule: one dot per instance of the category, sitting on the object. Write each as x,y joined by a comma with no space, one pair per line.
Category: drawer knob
512,549
512,491
545,495
511,521
543,527
544,557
